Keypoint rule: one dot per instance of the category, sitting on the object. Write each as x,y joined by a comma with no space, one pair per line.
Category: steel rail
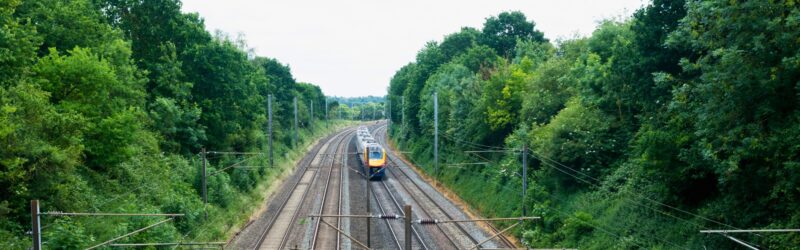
399,207
388,223
422,209
425,209
285,199
396,203
502,238
296,213
325,194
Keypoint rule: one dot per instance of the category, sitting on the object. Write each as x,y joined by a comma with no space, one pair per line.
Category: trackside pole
295,121
524,175
326,112
402,113
36,229
311,117
205,191
388,114
369,192
269,110
436,133
407,214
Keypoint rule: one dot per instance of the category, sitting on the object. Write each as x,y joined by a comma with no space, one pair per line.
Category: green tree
502,32
64,25
18,45
223,90
742,107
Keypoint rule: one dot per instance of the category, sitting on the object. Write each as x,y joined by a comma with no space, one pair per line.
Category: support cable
584,180
129,234
545,159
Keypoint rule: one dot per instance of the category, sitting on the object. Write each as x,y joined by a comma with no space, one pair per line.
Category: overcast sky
353,47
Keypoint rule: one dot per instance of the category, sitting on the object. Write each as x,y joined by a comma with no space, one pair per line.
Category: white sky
353,47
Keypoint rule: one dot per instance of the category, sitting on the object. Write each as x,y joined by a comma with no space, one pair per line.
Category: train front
376,161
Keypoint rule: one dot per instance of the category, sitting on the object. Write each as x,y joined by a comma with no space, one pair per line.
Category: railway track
436,209
428,208
325,237
395,226
386,203
322,185
278,228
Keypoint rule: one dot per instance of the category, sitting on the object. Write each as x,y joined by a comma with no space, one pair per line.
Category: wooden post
407,214
36,226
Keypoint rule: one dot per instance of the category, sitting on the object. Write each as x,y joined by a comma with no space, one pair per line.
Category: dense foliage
359,108
105,105
684,117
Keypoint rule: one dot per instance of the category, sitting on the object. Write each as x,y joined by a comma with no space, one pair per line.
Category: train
371,154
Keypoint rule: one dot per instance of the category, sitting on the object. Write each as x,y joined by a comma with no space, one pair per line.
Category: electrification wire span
607,231
642,197
547,163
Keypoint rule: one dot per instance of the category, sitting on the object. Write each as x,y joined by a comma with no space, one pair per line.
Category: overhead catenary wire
546,159
231,166
475,145
602,229
539,156
129,234
608,231
232,153
631,200
504,150
57,213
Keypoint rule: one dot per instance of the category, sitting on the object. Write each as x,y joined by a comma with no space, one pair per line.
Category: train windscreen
375,155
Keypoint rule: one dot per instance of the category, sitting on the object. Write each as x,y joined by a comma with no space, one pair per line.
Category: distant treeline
352,101
683,117
105,105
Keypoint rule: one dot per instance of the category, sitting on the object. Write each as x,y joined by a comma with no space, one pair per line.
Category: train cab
375,160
